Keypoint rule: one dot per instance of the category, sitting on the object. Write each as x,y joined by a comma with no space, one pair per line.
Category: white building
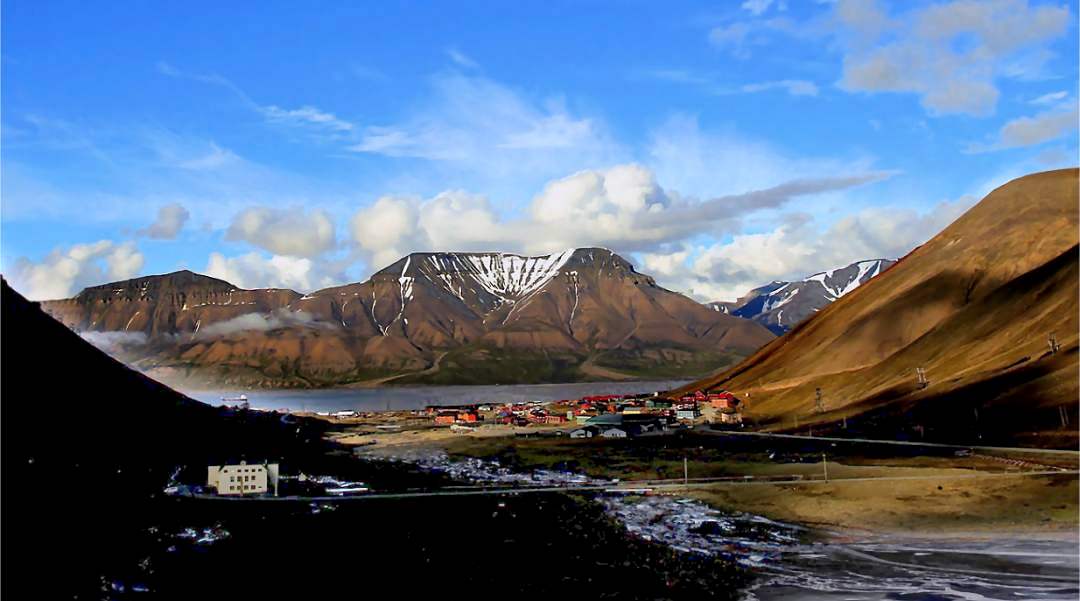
614,433
243,479
687,414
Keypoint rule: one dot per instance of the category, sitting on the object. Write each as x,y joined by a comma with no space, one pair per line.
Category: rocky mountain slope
973,307
780,306
432,317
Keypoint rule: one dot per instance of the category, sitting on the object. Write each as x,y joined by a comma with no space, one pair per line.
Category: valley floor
925,492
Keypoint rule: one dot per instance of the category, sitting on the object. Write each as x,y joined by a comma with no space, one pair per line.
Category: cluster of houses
609,416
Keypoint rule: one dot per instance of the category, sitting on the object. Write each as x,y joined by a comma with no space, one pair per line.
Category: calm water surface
417,397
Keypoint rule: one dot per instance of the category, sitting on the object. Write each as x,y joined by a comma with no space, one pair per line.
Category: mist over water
418,397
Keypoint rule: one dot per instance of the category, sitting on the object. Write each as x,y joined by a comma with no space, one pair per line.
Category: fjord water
418,397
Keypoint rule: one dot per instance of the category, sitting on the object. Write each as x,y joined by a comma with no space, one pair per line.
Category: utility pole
1052,341
1063,413
825,465
920,376
845,422
685,473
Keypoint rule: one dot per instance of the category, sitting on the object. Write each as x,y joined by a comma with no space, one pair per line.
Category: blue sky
720,146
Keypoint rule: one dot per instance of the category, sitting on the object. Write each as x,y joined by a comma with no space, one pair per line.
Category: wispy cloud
311,117
1048,99
795,87
718,85
461,59
482,125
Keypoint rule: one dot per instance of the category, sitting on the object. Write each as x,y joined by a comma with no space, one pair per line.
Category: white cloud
114,341
1028,131
1034,130
1051,98
950,54
124,261
622,208
733,37
461,59
757,7
475,124
688,158
253,270
388,230
284,232
170,220
307,115
64,272
795,87
274,320
799,247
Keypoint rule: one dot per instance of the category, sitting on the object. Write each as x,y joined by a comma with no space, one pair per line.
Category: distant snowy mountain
779,306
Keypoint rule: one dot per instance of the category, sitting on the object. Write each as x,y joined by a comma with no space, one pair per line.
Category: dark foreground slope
973,307
88,446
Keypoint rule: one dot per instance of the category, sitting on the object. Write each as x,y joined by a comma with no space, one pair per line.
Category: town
607,416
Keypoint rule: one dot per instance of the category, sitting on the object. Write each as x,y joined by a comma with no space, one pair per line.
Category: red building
723,400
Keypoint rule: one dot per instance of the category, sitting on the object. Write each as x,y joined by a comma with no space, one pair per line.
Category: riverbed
417,397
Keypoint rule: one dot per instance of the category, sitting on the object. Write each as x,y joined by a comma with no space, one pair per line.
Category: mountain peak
781,305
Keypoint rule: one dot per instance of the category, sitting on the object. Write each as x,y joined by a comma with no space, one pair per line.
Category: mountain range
580,314
780,306
987,310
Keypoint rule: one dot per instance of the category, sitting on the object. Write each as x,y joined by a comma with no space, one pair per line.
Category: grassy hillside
973,307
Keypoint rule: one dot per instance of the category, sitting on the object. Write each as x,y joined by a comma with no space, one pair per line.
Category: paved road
890,442
630,487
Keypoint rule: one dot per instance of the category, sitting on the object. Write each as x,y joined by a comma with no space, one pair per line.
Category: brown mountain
429,317
176,303
973,307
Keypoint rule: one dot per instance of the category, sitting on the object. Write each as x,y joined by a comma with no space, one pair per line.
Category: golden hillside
974,307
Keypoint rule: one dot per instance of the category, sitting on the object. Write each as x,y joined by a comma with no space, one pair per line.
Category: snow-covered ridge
840,286
506,276
781,305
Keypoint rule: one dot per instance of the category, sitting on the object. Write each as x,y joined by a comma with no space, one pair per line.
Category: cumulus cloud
950,54
170,220
65,271
622,207
284,232
281,318
253,270
799,247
